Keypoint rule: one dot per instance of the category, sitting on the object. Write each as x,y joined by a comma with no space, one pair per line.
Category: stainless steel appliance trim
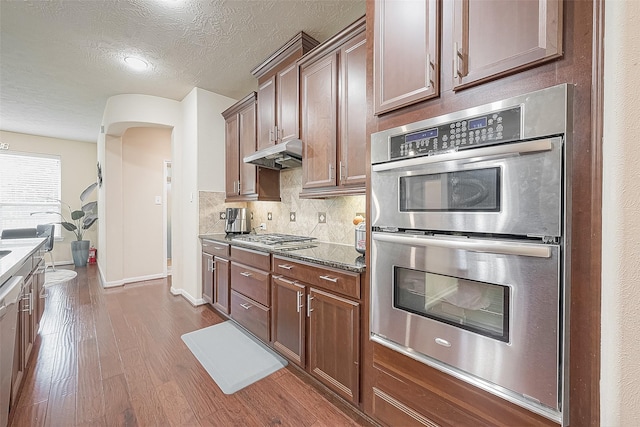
481,154
545,112
486,246
502,392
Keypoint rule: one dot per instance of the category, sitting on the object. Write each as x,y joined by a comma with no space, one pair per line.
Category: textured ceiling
60,60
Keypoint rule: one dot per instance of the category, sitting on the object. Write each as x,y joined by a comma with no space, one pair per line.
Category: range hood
287,154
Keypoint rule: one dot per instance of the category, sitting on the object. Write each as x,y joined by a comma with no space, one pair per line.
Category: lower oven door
485,310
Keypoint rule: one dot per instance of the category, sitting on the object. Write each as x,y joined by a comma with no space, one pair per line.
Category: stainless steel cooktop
276,241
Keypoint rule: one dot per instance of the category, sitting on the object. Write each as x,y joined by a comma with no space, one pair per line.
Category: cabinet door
207,277
247,143
288,102
221,284
288,318
493,37
334,351
319,122
405,53
232,154
353,112
266,113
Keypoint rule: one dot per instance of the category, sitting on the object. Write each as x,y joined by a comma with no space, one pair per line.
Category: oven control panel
493,128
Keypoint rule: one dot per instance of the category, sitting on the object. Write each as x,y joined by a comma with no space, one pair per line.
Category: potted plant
81,220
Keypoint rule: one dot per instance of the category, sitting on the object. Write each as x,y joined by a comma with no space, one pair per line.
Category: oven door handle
478,154
473,245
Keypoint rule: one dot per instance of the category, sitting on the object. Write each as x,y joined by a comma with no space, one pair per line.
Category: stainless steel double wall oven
469,245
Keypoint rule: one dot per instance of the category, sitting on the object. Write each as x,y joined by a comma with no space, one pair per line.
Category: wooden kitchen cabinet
289,318
334,335
316,305
215,275
278,94
334,109
243,181
250,291
492,38
207,277
406,66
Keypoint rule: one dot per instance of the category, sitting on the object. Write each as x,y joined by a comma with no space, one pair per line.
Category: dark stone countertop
343,257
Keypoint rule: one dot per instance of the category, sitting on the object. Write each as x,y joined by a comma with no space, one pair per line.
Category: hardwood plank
117,403
135,369
175,405
89,398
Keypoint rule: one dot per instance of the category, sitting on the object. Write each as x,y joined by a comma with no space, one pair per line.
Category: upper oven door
508,189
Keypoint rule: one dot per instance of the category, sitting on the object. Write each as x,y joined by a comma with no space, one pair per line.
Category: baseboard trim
186,295
123,282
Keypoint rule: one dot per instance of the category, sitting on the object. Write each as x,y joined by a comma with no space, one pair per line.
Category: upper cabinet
405,53
278,96
478,41
334,111
246,182
494,37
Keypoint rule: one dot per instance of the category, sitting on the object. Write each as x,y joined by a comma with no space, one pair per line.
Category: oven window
475,306
460,191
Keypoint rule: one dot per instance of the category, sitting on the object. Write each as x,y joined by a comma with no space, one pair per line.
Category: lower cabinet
316,328
30,309
215,275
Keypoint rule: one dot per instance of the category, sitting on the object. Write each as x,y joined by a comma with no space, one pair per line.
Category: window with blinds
29,187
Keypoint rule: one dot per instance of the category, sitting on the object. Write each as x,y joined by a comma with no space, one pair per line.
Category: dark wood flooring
115,357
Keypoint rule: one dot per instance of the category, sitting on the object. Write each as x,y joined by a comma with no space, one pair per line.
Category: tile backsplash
328,220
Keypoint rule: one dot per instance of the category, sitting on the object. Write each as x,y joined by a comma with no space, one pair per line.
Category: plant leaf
76,215
89,220
69,226
89,207
88,191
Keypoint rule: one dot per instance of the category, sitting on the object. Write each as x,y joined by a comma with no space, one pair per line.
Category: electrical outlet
251,216
269,216
292,216
263,226
223,215
322,217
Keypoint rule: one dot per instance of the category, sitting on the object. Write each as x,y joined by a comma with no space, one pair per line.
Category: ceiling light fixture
136,63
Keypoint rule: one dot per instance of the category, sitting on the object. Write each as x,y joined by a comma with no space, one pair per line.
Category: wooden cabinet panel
232,154
405,53
251,315
392,412
251,282
334,342
215,248
319,122
334,280
266,112
353,109
288,119
334,115
494,37
247,144
207,277
288,318
246,182
221,281
257,259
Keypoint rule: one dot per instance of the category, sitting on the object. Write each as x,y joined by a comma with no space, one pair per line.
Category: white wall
195,121
123,112
144,151
620,351
211,144
78,170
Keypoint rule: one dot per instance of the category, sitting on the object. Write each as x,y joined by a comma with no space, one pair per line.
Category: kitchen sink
4,253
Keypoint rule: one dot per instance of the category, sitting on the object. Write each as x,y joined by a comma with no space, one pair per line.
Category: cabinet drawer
251,315
215,248
328,278
251,282
252,258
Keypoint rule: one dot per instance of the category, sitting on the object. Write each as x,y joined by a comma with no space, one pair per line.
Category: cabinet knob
246,274
329,279
309,309
285,266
